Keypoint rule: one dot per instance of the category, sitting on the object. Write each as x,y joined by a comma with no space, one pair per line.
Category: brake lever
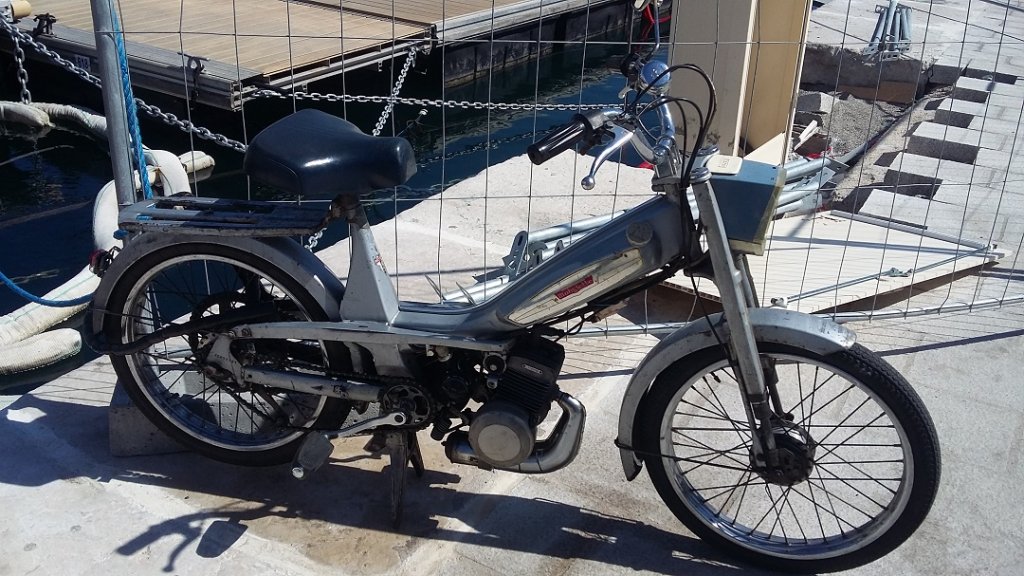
622,137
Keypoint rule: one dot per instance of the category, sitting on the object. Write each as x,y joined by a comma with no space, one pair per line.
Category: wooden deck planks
249,43
271,35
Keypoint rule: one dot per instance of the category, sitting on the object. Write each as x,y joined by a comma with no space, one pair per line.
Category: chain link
314,239
409,61
168,118
19,57
426,102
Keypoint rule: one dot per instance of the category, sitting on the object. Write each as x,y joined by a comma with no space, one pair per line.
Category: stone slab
951,142
921,175
131,433
984,87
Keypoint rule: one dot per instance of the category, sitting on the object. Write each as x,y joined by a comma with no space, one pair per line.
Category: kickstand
403,448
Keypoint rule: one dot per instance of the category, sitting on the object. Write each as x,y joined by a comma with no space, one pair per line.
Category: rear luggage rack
215,216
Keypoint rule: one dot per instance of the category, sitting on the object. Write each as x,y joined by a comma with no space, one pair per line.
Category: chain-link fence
897,124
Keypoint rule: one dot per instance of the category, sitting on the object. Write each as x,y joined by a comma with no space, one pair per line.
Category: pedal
313,453
317,448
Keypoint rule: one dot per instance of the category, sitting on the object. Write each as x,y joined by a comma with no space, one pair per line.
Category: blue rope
129,106
42,301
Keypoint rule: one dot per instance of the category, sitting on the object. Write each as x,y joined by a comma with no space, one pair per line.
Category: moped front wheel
858,469
169,380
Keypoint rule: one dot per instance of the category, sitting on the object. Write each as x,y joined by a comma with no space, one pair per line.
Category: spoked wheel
859,458
173,386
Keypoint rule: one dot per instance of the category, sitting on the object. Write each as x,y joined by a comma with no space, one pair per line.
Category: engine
503,432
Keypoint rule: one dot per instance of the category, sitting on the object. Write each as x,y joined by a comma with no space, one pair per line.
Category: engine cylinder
501,435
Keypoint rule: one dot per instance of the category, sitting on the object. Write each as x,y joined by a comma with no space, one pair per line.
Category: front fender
283,253
774,325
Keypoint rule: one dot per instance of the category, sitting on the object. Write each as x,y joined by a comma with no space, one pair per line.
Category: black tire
229,423
881,467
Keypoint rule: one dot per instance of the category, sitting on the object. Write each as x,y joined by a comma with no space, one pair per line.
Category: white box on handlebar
747,199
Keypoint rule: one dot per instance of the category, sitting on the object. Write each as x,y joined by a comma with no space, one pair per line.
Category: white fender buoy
25,115
67,114
32,319
40,350
172,174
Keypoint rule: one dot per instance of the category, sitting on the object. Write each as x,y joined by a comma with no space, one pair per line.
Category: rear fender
774,325
284,253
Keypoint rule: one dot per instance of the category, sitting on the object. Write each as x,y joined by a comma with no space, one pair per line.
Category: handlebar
617,127
562,139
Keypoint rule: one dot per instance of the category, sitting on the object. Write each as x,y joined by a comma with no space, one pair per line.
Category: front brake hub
795,449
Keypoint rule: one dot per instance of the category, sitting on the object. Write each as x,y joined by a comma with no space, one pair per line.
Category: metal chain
206,134
314,239
171,119
409,61
19,57
422,102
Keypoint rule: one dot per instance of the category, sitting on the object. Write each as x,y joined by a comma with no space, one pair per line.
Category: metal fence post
113,101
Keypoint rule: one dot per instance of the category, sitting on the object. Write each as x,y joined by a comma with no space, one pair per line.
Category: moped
768,432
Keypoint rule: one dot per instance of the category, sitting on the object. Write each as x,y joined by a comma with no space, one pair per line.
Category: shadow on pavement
326,516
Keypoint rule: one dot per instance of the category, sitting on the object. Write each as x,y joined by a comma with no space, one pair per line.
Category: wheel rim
860,484
227,417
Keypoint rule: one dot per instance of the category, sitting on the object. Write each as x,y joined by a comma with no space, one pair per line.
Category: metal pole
113,101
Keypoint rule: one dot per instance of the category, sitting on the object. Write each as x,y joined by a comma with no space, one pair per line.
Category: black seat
319,156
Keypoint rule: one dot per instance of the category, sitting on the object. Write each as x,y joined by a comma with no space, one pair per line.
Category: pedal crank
317,447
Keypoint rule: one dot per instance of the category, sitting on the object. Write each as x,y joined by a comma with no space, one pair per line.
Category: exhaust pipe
554,453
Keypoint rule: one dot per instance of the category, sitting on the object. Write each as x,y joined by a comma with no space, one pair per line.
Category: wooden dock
245,45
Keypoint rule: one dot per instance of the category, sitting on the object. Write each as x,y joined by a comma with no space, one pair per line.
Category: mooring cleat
313,453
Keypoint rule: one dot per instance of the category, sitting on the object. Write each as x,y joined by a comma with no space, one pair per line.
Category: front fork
732,277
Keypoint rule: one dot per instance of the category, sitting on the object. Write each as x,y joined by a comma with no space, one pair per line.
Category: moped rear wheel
859,467
169,380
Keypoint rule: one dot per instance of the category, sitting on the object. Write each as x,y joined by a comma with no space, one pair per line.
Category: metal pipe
905,34
876,36
113,100
490,288
811,167
915,230
890,13
897,30
840,317
906,24
843,317
569,228
794,195
983,252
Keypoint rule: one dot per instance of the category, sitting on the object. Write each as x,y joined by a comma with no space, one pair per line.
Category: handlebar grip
559,141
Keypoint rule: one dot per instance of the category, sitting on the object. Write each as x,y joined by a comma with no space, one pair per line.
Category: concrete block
979,89
1006,101
965,114
131,433
948,171
945,72
915,175
1006,161
934,215
816,102
951,109
972,89
997,71
952,65
953,143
